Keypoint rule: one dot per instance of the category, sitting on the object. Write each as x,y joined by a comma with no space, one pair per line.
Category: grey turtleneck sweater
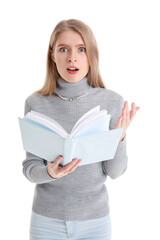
82,194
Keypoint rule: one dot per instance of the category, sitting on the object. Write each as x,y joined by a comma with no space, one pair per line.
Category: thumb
119,122
58,159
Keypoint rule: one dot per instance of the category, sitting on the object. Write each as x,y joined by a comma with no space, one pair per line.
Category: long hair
94,77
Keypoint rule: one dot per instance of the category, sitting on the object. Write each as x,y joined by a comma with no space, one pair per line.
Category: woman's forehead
70,37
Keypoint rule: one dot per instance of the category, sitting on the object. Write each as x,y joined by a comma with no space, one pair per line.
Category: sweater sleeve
117,166
34,167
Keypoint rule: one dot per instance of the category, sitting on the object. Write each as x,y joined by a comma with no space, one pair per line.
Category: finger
124,117
58,159
127,112
49,163
68,165
66,169
133,111
75,166
119,122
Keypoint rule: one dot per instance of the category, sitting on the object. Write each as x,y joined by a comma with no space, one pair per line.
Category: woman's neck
72,89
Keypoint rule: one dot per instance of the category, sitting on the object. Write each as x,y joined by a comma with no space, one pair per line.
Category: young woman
71,201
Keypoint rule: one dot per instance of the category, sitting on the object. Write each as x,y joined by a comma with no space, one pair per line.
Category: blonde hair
94,78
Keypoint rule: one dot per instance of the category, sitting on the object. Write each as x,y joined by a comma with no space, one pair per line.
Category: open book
90,139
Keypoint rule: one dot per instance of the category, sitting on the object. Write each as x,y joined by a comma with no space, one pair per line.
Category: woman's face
70,56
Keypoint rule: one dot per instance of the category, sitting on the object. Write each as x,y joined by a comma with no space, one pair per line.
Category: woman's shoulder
36,102
114,95
109,99
34,98
108,94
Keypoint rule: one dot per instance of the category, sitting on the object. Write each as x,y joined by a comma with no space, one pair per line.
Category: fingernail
75,159
60,155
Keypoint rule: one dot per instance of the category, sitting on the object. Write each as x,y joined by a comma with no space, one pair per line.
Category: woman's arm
126,118
35,170
121,118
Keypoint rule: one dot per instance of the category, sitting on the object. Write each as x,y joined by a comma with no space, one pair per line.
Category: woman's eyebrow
66,45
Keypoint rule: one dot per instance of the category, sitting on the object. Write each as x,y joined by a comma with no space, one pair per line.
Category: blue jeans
44,228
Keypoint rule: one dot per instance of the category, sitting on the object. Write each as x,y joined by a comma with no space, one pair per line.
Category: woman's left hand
126,118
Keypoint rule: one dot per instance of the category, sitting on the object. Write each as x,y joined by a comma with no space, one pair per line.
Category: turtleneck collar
72,89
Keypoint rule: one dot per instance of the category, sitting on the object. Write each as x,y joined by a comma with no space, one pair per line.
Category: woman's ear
52,56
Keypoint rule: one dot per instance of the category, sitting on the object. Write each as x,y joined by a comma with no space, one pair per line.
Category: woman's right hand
56,170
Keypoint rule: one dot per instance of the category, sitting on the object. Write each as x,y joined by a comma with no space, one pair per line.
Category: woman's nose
72,57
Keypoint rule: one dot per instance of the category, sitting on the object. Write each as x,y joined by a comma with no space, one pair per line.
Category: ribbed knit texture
82,194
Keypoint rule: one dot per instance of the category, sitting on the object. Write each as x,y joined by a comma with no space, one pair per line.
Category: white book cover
90,139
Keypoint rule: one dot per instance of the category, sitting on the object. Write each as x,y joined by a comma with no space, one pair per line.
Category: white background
128,36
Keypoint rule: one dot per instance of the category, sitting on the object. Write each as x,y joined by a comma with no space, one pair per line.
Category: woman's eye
82,49
63,49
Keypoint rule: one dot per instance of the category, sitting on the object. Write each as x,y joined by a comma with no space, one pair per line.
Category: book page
88,118
47,121
90,113
93,118
100,125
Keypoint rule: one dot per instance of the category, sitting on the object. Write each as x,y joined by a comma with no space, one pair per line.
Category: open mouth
72,69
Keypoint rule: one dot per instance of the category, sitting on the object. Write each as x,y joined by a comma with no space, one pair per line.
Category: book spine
68,150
